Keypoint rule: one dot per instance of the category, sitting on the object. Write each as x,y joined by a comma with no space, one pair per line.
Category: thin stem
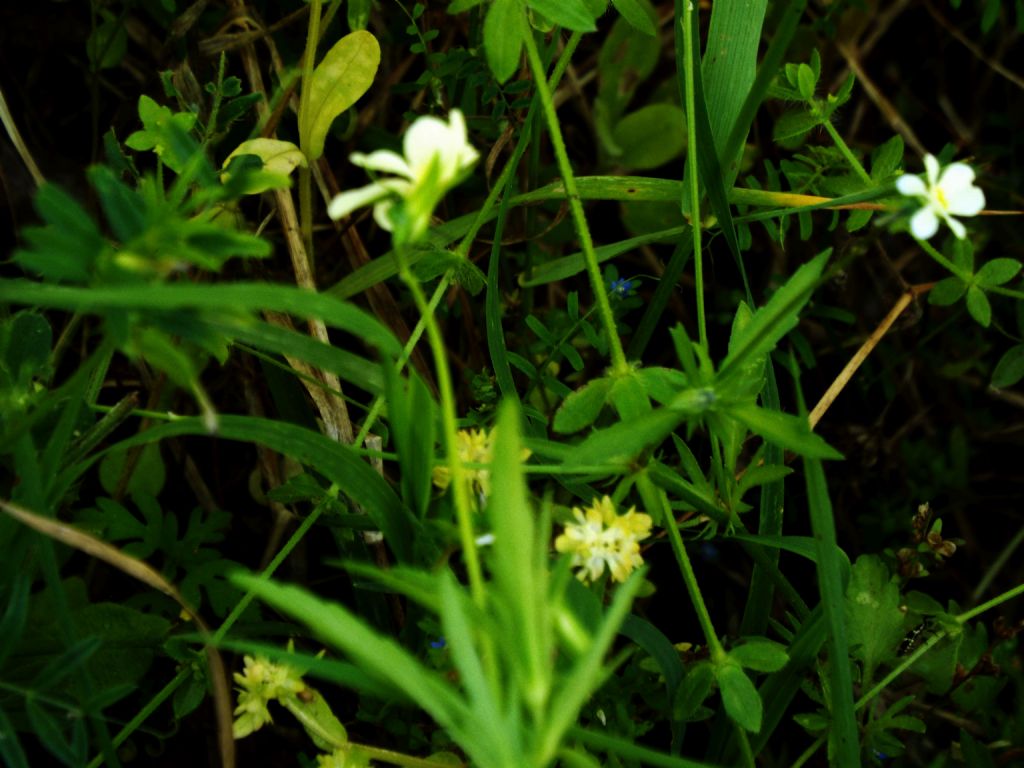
460,491
934,253
305,176
657,501
517,153
691,152
618,356
966,616
848,154
414,338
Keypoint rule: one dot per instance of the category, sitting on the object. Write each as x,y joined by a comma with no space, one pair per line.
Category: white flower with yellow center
437,156
601,538
951,193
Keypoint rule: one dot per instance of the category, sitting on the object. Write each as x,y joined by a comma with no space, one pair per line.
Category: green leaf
806,82
693,690
650,136
582,407
1010,368
978,306
125,210
773,321
345,74
874,621
503,42
148,473
279,159
624,441
626,60
636,14
997,272
571,14
760,655
786,430
740,697
107,44
458,6
793,124
947,291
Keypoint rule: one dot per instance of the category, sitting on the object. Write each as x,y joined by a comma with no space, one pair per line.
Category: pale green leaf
503,41
740,697
345,74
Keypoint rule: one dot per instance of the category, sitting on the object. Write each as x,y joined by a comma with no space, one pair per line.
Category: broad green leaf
503,42
740,697
978,306
582,407
624,441
875,623
997,272
571,14
345,74
772,322
760,655
1010,368
148,473
806,82
650,136
636,14
626,60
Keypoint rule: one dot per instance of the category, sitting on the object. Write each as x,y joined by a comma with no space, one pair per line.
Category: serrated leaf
978,306
503,41
760,655
345,74
874,621
571,14
997,272
1010,368
582,407
740,697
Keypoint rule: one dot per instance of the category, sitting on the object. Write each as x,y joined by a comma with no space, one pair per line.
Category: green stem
847,153
997,600
656,500
691,152
942,260
517,153
460,490
305,176
414,337
618,356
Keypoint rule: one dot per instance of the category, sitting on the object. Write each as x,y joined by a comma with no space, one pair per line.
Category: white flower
437,154
602,538
945,195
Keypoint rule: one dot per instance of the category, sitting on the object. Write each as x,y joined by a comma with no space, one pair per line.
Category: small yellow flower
261,682
600,538
475,446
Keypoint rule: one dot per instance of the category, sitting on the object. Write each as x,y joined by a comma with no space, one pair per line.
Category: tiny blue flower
622,287
439,643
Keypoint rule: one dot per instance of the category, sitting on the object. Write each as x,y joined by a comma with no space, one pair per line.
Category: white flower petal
958,229
382,160
911,186
382,214
931,167
425,139
965,202
956,177
346,202
924,223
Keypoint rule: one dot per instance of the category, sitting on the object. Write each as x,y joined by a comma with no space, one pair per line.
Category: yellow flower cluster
475,446
600,537
261,682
